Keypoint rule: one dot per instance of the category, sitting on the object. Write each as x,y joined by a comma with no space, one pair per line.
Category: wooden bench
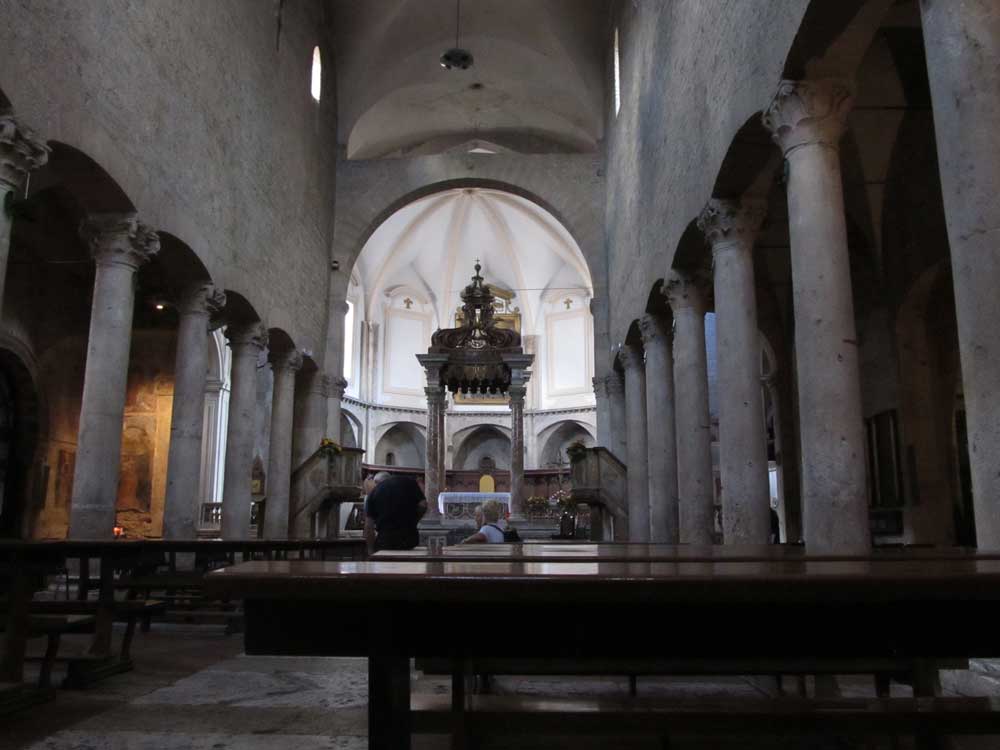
470,720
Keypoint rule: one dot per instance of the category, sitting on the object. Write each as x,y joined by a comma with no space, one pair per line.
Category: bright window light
618,75
317,75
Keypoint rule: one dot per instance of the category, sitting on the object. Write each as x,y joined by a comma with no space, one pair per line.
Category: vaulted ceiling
538,82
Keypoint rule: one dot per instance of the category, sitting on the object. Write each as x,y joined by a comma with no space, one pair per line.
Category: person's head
478,515
381,477
491,511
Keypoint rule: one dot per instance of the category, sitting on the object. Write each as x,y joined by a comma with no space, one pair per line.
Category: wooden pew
727,610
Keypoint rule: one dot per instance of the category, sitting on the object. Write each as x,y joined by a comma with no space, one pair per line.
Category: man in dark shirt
392,511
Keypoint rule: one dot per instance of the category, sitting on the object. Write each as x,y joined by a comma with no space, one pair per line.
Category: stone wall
692,73
202,114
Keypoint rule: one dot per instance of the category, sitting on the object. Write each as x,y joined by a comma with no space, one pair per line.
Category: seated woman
488,520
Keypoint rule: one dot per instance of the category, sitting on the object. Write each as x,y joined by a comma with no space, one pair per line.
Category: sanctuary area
499,373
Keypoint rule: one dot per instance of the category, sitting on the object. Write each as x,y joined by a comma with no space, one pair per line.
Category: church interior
701,295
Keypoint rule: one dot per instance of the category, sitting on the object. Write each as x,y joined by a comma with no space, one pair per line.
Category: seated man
488,520
392,510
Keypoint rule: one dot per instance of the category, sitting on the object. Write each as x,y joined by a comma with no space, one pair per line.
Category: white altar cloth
476,498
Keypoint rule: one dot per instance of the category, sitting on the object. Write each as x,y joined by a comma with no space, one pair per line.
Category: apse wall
692,73
202,113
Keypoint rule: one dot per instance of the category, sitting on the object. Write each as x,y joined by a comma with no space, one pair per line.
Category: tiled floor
193,690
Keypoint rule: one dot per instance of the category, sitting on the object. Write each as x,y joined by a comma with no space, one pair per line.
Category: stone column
279,459
615,383
807,119
962,40
335,387
247,341
517,392
687,294
182,505
603,411
442,440
119,244
310,417
637,450
21,151
657,340
433,481
731,228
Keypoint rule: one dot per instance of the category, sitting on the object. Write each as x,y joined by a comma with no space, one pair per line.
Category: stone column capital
248,335
288,361
687,291
615,384
119,240
200,298
600,386
804,113
435,394
517,394
632,358
732,223
655,331
21,151
334,386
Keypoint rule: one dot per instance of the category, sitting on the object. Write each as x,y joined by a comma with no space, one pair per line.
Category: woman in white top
488,520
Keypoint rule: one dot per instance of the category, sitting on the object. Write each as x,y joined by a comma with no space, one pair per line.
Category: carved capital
687,291
21,151
435,395
290,360
119,240
334,385
248,335
600,386
806,113
727,223
632,358
516,393
201,298
615,384
654,331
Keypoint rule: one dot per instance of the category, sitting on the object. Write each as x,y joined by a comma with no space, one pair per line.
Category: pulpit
328,478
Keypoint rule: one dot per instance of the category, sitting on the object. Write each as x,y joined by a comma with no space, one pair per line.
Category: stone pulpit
477,357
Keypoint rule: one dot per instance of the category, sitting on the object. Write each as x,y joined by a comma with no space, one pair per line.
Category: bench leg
388,702
51,649
126,652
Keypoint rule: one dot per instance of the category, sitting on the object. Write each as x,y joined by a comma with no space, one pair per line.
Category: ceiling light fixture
456,57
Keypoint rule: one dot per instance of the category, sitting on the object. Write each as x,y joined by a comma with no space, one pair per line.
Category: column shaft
637,449
335,387
120,244
432,468
962,40
616,408
246,342
731,229
808,119
21,151
183,501
517,394
603,412
310,416
657,339
694,437
279,458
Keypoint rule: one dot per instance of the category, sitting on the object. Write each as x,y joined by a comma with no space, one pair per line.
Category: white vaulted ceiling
537,83
432,244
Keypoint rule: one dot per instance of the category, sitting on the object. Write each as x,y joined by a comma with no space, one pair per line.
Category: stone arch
238,309
555,438
358,233
91,185
479,442
278,340
406,441
750,163
351,431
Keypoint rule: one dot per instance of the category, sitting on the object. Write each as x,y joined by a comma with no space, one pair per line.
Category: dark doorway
18,438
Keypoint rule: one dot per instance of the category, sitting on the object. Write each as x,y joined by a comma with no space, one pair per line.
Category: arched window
390,459
349,342
617,74
317,75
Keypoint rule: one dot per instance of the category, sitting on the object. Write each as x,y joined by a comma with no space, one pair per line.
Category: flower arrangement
563,499
328,443
536,504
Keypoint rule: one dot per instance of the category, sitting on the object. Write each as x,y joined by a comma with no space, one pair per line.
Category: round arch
402,444
481,442
557,437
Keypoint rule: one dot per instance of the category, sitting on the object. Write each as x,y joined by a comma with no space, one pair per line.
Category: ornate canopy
478,356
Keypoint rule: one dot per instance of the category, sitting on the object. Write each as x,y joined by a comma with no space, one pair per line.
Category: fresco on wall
65,465
135,481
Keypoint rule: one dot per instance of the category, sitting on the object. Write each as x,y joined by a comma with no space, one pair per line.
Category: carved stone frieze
21,150
119,239
809,113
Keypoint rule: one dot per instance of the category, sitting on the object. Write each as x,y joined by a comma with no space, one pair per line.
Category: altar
463,504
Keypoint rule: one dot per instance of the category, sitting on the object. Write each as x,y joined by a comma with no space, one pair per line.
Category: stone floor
192,689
